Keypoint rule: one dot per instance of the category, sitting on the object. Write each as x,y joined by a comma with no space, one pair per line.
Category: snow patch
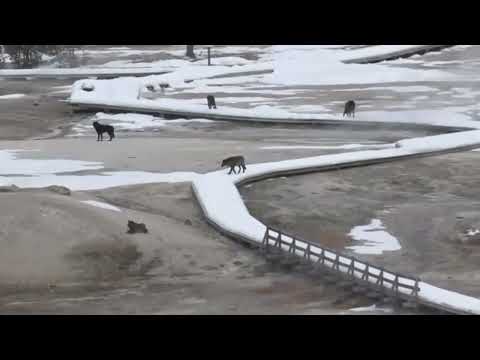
371,308
12,165
11,96
472,232
103,180
102,205
376,240
329,147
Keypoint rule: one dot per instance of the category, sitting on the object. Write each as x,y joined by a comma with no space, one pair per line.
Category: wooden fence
389,282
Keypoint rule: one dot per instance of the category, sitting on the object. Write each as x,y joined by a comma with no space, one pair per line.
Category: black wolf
134,228
233,162
349,108
100,129
211,102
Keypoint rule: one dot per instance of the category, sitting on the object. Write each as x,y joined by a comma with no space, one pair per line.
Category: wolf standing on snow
211,102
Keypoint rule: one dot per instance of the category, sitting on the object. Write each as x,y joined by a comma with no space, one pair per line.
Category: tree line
31,55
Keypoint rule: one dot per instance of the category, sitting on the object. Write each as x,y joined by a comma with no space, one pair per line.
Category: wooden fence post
415,288
279,240
265,239
366,273
307,252
292,246
395,284
351,268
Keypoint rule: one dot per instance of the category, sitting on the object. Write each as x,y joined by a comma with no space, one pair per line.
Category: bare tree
190,52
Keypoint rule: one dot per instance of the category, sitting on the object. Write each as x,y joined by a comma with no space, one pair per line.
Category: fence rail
360,271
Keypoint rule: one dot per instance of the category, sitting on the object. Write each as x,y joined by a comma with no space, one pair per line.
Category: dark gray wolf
211,102
100,129
233,162
349,108
135,228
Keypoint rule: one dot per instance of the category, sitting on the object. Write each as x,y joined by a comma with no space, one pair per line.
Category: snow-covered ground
311,65
420,60
265,96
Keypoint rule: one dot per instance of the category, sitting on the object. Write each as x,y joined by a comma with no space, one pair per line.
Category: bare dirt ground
181,267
